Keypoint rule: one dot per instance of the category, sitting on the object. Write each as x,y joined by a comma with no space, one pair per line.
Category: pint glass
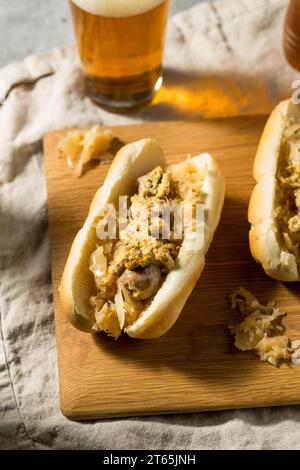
120,44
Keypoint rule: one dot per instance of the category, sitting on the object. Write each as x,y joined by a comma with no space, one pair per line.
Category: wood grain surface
195,365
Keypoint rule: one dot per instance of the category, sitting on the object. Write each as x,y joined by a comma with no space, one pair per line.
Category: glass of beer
121,44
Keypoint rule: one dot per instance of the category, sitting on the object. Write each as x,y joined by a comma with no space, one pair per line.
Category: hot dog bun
77,284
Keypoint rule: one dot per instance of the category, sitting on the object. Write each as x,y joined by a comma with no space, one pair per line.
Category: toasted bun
264,237
77,283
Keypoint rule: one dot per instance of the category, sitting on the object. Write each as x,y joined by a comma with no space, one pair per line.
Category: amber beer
121,45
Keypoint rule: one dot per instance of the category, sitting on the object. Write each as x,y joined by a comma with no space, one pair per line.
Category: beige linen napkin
222,58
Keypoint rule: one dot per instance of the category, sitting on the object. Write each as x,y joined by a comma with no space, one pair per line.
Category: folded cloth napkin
222,58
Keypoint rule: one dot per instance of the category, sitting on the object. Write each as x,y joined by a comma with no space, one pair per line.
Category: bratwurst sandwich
134,281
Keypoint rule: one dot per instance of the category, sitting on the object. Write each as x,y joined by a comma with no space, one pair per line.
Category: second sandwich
274,209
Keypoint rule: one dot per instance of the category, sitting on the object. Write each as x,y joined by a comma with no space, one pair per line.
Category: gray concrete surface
31,26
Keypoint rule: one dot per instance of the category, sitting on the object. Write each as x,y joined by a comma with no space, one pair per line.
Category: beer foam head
117,8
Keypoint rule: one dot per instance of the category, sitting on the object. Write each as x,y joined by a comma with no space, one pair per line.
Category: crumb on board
260,329
80,147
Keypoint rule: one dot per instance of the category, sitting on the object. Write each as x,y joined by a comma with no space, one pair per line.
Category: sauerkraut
79,147
287,194
260,329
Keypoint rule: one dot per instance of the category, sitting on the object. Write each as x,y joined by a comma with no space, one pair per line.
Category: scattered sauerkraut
260,329
80,147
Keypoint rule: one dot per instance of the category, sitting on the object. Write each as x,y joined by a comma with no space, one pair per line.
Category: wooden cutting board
195,365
